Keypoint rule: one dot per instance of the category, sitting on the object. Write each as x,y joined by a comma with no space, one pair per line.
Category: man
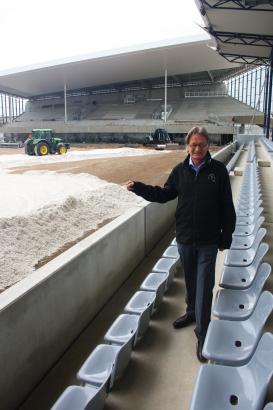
205,221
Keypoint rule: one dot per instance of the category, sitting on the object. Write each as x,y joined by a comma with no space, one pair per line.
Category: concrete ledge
224,154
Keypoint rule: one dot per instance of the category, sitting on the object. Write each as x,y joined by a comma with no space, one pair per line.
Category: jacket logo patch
211,177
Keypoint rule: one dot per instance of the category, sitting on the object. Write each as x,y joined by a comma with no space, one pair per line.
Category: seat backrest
262,310
262,250
123,330
269,406
259,221
164,265
122,360
258,239
262,274
98,367
257,230
261,365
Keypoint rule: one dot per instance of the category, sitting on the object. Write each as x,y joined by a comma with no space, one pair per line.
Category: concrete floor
163,367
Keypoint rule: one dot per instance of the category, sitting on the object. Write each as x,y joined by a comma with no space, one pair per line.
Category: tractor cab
46,134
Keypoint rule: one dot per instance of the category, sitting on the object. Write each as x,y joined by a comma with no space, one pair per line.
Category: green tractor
43,142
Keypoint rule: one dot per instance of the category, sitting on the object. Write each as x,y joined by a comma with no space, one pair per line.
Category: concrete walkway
163,368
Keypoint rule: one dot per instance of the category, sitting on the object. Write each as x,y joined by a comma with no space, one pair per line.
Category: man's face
197,148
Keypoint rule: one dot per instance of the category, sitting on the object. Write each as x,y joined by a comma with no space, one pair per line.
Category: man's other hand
130,185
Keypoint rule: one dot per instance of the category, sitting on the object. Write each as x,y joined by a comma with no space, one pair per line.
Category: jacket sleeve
157,193
228,215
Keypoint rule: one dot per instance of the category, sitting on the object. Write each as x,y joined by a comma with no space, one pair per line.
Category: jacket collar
207,160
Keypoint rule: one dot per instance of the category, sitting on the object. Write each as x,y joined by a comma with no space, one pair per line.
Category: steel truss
236,5
242,38
255,60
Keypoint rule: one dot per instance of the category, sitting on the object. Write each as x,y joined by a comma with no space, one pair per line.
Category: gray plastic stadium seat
221,387
239,242
248,220
244,230
235,257
81,398
247,211
155,282
269,406
101,366
141,304
123,330
234,277
233,342
166,266
238,304
246,201
251,191
171,252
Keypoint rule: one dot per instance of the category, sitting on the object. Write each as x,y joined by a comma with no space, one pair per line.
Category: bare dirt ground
151,169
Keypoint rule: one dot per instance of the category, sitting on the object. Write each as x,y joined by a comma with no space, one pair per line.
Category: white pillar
65,104
165,105
10,110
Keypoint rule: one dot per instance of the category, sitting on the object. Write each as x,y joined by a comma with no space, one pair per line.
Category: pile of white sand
27,239
42,213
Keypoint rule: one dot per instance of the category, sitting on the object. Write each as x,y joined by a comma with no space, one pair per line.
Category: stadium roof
243,29
179,57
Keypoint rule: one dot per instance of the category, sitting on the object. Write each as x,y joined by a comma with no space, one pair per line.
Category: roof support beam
211,76
269,101
242,38
244,59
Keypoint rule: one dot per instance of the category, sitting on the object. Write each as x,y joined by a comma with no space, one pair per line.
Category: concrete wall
158,220
42,315
224,154
115,127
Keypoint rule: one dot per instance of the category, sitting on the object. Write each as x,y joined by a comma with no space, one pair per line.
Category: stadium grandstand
129,93
54,322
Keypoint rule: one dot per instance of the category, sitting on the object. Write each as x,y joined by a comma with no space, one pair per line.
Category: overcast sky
35,31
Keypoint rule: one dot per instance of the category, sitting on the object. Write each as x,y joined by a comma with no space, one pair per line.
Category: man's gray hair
197,130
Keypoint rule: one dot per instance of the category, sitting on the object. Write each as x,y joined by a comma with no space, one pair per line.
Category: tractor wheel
62,149
41,149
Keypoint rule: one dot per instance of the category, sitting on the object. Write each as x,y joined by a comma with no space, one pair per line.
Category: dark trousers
198,262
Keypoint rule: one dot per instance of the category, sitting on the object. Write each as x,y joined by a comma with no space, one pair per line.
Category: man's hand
130,185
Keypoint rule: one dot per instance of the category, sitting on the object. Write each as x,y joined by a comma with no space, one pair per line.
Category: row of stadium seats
108,361
193,109
241,355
